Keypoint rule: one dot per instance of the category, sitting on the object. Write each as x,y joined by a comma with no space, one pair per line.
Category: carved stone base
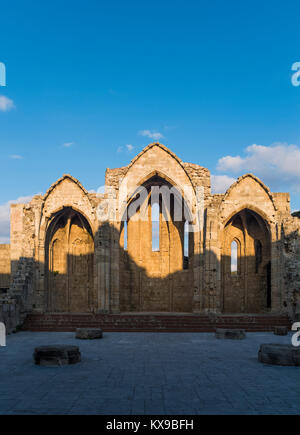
280,330
56,355
279,354
233,334
89,333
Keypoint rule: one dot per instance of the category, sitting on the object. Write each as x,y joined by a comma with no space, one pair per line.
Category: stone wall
290,248
4,267
11,313
133,279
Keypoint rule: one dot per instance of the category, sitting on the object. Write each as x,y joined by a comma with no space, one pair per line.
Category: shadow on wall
122,270
125,271
76,279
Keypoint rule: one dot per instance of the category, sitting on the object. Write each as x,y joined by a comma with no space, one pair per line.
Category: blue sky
211,80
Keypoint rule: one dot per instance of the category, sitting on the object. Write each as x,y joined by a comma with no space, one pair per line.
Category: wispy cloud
128,147
151,134
220,183
67,144
5,216
277,164
15,157
6,104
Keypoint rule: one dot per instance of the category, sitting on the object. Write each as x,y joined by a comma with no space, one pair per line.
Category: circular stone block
280,330
233,334
279,354
89,333
56,355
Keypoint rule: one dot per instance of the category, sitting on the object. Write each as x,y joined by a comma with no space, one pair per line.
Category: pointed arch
69,255
151,275
156,160
151,145
249,289
252,208
251,193
256,179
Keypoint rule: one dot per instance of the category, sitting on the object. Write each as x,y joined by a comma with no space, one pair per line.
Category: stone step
152,322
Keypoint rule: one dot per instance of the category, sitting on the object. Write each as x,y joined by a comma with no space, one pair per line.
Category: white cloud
232,164
5,216
15,156
277,164
129,147
151,134
68,144
6,104
220,183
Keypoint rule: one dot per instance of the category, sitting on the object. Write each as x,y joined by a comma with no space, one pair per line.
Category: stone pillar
103,266
276,270
16,235
115,268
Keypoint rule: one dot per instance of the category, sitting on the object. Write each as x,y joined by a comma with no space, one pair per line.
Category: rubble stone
279,354
56,355
280,330
89,333
233,334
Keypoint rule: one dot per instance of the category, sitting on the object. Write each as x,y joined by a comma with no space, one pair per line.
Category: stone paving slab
148,373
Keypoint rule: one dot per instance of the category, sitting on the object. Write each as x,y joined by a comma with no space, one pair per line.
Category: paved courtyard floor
147,373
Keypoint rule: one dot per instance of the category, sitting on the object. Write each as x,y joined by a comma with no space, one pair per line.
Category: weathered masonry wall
290,260
68,251
4,268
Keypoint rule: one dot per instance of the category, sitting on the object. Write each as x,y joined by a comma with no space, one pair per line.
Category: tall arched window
125,235
258,254
155,212
234,257
186,245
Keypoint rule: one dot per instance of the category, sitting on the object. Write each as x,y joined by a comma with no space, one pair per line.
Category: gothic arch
155,281
248,192
248,290
242,179
67,191
251,207
156,159
69,261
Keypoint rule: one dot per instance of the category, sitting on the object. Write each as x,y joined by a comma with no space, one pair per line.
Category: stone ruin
73,251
